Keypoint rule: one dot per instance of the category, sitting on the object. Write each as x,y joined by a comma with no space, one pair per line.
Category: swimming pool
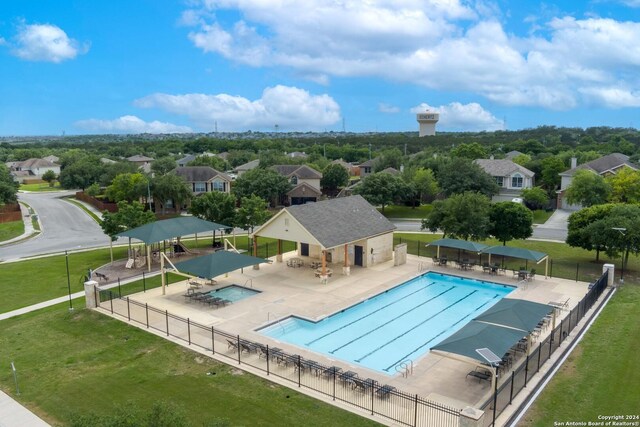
233,293
399,324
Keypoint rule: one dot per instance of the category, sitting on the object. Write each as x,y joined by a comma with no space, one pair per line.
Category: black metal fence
514,383
388,402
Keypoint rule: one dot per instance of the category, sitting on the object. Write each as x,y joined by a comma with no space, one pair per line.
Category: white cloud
45,42
462,117
612,97
130,124
439,44
288,107
2,41
389,109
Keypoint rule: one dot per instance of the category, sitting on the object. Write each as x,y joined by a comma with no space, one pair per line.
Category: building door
304,249
358,255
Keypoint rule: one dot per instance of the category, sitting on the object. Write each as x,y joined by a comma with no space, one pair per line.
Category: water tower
428,122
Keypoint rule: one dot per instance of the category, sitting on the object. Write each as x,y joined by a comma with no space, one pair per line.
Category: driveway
555,228
64,227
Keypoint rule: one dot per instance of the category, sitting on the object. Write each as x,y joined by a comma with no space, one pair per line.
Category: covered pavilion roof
217,263
158,231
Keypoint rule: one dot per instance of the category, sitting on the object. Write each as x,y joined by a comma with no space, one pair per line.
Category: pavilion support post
255,251
111,249
529,343
546,268
489,258
162,277
279,254
438,251
346,270
148,258
323,269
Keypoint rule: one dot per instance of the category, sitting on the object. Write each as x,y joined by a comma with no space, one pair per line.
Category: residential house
366,168
510,177
346,232
204,179
52,158
191,157
604,166
512,154
239,170
351,169
297,155
140,160
32,169
305,181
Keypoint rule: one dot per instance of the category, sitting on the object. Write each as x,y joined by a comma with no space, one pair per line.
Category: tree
333,177
470,151
579,221
510,221
463,216
625,186
111,170
49,176
587,188
521,159
128,216
163,165
425,183
266,183
382,188
212,161
391,158
128,187
8,186
215,207
461,175
170,187
535,198
252,212
551,168
83,172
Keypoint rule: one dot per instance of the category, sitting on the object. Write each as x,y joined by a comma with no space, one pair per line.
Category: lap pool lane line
393,319
436,336
369,314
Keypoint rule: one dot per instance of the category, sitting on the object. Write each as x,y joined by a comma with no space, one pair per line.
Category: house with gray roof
604,166
510,177
305,181
204,179
366,168
32,169
239,170
340,232
191,157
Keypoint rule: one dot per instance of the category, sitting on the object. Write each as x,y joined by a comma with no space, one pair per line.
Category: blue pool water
234,293
398,324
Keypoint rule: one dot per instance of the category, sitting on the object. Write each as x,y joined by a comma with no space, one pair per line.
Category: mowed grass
397,211
541,216
42,186
9,230
601,376
82,362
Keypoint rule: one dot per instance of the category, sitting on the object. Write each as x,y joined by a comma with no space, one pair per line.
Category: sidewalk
28,230
13,414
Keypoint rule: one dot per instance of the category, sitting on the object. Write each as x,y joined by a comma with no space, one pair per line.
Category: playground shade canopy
516,313
459,244
158,231
510,251
476,335
217,263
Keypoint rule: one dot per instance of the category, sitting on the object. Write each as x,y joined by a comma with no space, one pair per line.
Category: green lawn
541,216
43,186
83,362
601,376
397,211
9,230
73,201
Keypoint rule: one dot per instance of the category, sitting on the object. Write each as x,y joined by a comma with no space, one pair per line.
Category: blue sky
163,66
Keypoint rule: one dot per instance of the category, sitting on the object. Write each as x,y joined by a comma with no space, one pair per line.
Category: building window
367,169
219,186
499,181
199,187
517,181
294,180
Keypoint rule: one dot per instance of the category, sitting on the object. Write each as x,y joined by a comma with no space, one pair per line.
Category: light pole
66,258
622,231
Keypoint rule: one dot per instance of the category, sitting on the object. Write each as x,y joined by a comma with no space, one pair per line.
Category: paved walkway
13,414
28,229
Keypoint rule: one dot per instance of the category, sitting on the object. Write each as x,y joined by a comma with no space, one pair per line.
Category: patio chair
480,375
385,391
232,345
347,377
435,260
364,385
332,371
531,275
486,267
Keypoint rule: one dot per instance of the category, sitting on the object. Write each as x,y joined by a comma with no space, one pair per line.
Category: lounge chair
232,345
531,275
559,305
364,385
347,377
486,268
480,375
385,390
332,371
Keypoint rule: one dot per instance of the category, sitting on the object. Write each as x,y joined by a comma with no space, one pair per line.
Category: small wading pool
399,324
233,293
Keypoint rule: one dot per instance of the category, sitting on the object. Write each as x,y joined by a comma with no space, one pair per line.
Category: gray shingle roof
603,164
302,172
338,221
199,173
304,190
36,163
139,158
502,167
249,165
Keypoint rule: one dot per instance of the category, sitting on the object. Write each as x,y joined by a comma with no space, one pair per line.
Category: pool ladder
405,368
250,282
421,267
277,321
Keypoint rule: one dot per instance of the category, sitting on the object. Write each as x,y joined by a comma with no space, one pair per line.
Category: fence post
551,269
569,328
372,387
526,371
119,289
299,369
577,270
166,314
268,357
418,248
213,341
539,353
189,330
334,384
560,338
238,349
495,397
146,309
144,283
513,376
550,344
415,411
128,310
111,300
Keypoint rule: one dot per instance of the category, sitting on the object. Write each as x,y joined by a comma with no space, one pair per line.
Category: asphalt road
64,227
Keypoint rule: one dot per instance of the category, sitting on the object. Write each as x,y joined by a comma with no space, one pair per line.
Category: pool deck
289,291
